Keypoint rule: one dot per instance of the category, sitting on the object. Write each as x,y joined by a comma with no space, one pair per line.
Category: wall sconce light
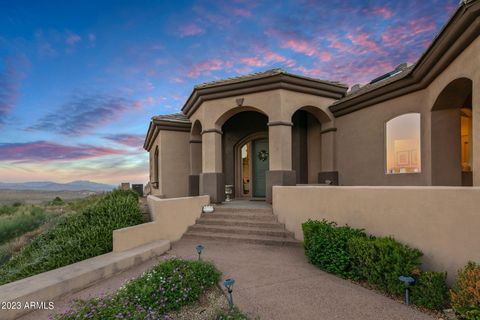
199,249
407,281
228,283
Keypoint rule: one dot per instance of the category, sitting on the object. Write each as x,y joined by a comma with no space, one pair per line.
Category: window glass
403,144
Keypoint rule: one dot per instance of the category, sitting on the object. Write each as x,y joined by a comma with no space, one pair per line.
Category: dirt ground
39,196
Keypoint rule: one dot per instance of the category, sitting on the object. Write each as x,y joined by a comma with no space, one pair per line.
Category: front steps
248,225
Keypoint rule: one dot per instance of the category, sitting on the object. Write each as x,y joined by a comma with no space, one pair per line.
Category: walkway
278,283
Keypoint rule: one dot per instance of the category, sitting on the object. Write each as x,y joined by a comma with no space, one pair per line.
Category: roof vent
354,88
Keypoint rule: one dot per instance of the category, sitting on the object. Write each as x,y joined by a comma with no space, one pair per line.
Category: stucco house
418,125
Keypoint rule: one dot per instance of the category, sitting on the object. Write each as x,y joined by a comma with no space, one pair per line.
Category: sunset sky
79,80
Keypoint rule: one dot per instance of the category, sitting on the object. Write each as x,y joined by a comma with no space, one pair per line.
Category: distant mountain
54,186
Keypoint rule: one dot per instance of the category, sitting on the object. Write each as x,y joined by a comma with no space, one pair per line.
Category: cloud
205,67
131,140
83,114
9,90
51,151
253,62
72,38
191,29
362,40
401,35
300,46
384,12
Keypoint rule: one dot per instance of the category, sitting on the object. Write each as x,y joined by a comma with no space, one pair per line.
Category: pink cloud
131,140
400,36
39,151
363,40
190,29
384,12
253,62
205,67
273,56
311,72
325,56
300,46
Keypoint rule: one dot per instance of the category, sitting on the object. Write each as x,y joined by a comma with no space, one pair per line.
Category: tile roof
260,75
175,117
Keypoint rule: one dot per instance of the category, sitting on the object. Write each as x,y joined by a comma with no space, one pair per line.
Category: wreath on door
262,155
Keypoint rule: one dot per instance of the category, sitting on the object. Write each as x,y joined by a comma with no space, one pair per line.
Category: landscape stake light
228,283
199,250
407,281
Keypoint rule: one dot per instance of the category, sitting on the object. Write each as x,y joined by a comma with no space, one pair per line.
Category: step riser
240,223
260,217
243,210
271,233
254,241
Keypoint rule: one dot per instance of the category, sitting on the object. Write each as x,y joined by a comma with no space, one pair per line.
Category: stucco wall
443,222
360,138
170,220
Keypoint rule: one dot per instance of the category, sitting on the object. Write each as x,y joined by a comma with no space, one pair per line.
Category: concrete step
250,238
241,223
240,216
242,230
222,209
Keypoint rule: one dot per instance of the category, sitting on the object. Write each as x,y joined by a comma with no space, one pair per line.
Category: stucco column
476,131
280,157
212,180
329,171
195,167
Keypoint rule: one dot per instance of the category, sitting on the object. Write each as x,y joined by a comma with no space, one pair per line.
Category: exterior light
407,281
199,249
228,192
228,283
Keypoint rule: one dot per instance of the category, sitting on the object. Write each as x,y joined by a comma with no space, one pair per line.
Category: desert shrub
7,210
57,202
19,222
465,294
430,290
167,287
75,237
326,245
381,261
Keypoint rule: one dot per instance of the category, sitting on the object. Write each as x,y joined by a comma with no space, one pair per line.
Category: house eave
273,82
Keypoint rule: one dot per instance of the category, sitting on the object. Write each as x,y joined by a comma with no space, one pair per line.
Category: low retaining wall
47,286
443,222
171,218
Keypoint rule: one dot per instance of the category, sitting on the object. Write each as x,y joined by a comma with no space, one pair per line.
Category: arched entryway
451,122
245,154
307,144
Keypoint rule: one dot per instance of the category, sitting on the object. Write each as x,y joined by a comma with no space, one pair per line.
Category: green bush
381,261
430,290
57,202
326,245
233,314
465,294
7,210
75,237
20,221
167,287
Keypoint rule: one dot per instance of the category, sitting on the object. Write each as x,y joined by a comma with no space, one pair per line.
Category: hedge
350,253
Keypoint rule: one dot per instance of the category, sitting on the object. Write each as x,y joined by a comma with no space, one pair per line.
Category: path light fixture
199,249
407,281
228,283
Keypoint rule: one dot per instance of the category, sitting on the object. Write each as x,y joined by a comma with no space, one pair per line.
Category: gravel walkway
278,283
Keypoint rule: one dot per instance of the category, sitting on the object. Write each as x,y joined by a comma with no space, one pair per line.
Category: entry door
260,158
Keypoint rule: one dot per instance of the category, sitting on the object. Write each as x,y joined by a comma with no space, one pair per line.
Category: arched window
403,150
